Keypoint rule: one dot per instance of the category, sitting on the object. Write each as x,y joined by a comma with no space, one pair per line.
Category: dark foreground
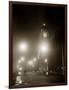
37,79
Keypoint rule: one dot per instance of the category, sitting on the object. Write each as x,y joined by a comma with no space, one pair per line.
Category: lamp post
46,61
22,48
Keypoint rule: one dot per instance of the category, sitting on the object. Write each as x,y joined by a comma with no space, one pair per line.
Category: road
33,78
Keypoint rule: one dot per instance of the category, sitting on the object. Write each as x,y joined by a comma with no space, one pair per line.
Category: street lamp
44,24
34,59
19,73
23,46
19,61
20,68
22,59
44,48
46,60
30,63
18,80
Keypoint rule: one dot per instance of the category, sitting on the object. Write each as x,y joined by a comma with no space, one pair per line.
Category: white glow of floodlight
44,48
34,59
45,34
20,68
46,73
23,46
46,60
18,79
20,82
19,61
19,73
44,24
30,63
22,59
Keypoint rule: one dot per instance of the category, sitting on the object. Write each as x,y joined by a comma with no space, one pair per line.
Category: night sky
27,23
